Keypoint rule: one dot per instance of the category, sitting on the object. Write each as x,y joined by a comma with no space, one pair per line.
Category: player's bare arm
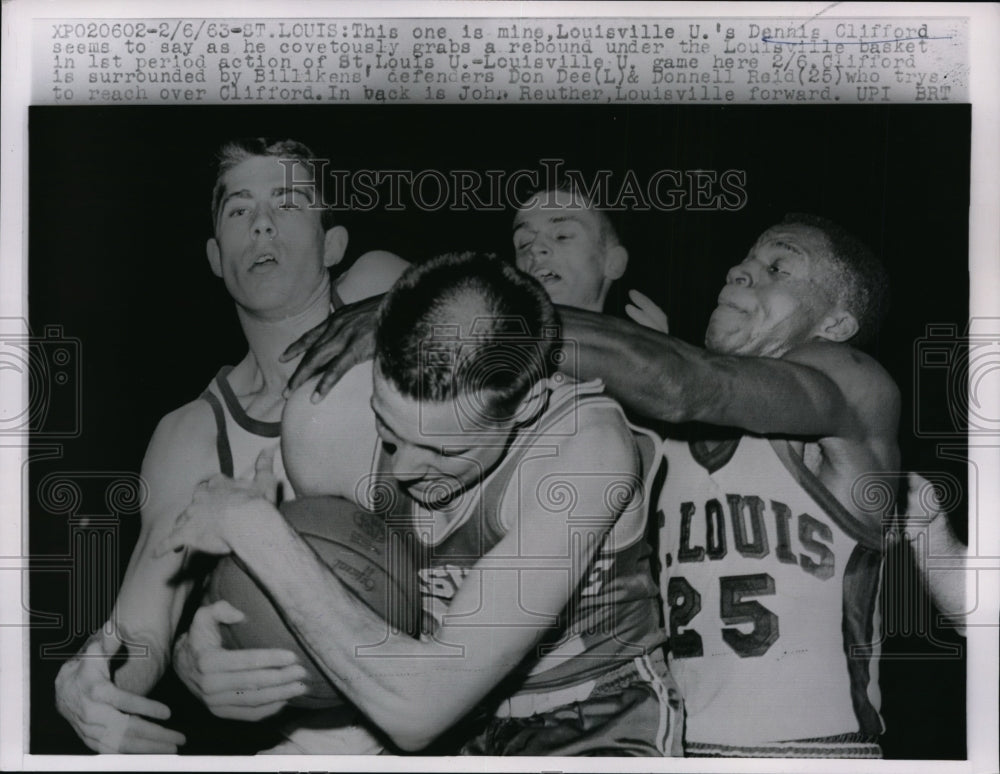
817,390
372,274
332,623
148,606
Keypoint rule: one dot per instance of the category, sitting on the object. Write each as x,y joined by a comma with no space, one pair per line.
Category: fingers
646,312
333,374
131,703
221,611
303,342
141,736
322,351
263,476
248,713
636,314
259,697
241,661
175,541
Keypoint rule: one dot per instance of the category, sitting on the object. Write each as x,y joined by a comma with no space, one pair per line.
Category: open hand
239,684
220,505
643,311
335,346
107,718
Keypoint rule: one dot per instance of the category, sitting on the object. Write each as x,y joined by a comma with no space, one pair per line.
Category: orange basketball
372,560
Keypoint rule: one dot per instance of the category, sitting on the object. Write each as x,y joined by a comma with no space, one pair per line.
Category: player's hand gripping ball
374,563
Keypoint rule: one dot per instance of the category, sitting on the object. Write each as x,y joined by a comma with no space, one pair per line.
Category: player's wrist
256,529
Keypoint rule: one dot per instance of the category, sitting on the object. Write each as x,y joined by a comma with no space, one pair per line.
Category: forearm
145,617
335,629
664,378
647,371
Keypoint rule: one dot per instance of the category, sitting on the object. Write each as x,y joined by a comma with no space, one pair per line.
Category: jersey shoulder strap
244,420
222,448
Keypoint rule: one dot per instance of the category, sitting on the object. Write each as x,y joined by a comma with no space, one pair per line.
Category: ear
838,326
615,262
533,403
334,246
214,256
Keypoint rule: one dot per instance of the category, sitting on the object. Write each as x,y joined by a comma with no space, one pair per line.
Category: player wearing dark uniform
542,609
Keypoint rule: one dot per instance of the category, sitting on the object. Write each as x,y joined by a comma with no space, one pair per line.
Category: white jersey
770,589
239,437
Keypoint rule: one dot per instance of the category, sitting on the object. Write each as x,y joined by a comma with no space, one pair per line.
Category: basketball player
771,563
521,486
273,247
570,246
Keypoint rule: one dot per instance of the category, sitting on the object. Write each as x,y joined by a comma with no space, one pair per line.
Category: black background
120,211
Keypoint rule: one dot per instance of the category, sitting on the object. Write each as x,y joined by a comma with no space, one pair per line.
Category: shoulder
864,383
182,431
326,445
180,454
371,275
592,436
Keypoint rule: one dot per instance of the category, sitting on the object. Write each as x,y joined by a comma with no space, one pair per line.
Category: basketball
375,563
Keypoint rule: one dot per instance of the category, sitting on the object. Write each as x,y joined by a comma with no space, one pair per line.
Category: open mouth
546,275
264,259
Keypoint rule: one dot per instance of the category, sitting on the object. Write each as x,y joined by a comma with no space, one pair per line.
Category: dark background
120,212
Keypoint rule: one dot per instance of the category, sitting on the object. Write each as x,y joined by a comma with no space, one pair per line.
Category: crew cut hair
466,324
569,185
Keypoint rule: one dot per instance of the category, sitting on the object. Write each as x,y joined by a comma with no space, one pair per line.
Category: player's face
269,243
558,242
432,453
775,299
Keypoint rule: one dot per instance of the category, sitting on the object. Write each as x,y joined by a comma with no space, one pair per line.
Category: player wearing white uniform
771,587
771,569
526,487
273,245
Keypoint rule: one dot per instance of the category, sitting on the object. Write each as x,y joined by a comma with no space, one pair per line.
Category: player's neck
268,337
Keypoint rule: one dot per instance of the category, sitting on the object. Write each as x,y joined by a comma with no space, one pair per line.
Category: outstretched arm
818,390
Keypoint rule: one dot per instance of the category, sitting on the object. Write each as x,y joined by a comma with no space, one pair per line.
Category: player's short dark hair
239,150
466,324
569,185
860,276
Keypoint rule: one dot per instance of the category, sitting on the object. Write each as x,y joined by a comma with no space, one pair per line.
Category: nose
739,275
409,464
539,247
263,223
